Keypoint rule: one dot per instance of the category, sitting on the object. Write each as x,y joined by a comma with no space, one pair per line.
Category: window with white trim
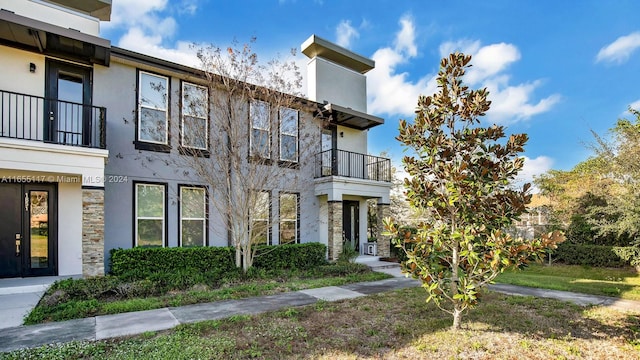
259,218
193,216
195,116
288,134
289,210
260,129
150,214
153,106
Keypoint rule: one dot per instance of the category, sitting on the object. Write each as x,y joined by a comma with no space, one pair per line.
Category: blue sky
555,69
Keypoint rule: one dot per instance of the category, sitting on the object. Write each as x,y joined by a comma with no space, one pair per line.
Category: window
193,219
150,214
288,135
153,107
195,116
260,127
289,209
259,221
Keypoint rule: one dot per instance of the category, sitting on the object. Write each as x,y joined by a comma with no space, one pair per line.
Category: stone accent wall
335,229
383,241
92,232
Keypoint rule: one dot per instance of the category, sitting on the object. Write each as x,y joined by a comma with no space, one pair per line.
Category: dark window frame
206,212
134,229
145,144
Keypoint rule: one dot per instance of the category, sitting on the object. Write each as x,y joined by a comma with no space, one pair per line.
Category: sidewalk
109,326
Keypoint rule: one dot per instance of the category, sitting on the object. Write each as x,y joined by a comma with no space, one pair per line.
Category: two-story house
95,143
52,137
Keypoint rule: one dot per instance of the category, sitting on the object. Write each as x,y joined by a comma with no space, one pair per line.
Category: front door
68,94
27,230
351,223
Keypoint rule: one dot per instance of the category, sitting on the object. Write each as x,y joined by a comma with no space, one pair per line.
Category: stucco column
384,242
92,232
335,229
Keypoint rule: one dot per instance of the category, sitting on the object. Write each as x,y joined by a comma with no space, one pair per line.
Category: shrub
290,256
348,253
170,266
593,255
140,263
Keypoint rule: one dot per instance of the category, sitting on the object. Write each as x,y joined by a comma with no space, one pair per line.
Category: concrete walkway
109,326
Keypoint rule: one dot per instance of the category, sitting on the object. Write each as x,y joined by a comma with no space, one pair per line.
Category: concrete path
18,296
109,326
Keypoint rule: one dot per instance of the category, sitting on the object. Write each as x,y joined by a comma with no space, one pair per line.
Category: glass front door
68,94
28,231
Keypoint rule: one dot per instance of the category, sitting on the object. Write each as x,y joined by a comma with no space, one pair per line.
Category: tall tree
461,175
245,133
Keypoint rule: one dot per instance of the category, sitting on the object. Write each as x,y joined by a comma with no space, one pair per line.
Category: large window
150,214
288,135
289,210
259,221
195,116
260,128
153,108
193,216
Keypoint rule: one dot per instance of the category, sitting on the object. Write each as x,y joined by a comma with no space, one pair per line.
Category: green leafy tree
461,174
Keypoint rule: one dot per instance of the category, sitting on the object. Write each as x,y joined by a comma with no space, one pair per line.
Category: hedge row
595,255
140,263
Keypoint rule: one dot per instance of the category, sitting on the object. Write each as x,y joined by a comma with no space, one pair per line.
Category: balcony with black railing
36,118
349,164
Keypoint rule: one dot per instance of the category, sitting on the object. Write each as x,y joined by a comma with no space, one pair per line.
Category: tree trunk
238,256
457,317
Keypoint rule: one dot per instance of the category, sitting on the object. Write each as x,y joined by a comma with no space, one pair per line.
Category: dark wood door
10,230
351,222
28,232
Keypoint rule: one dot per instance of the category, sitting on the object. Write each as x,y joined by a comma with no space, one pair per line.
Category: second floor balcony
350,164
36,118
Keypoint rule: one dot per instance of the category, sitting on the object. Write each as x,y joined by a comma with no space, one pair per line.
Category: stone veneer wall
335,229
92,232
383,241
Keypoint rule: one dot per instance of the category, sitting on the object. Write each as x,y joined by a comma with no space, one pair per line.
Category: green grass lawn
73,299
393,325
622,283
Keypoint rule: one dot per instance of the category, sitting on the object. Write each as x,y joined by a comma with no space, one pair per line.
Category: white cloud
391,92
182,53
620,50
635,105
345,33
491,60
406,37
149,28
533,167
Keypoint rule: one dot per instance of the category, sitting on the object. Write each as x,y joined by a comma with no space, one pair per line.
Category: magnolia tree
245,134
460,174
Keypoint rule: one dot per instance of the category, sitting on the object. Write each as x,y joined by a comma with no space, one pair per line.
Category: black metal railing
336,162
29,117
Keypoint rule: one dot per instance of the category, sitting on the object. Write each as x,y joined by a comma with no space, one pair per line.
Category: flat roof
35,35
317,46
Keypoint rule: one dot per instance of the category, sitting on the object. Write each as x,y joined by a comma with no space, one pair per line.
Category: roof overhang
348,117
317,46
33,35
97,8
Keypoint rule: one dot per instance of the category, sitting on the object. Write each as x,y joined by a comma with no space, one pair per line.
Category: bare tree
257,150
